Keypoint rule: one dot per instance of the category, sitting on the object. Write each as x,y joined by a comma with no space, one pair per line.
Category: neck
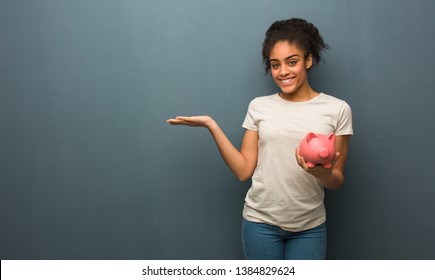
304,93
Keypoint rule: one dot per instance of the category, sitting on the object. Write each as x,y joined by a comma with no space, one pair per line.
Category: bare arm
332,178
242,163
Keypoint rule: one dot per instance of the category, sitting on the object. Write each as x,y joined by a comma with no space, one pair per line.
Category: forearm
232,156
332,180
242,163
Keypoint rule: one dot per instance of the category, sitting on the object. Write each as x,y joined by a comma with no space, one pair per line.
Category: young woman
284,214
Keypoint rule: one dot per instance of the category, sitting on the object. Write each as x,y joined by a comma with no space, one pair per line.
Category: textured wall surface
90,170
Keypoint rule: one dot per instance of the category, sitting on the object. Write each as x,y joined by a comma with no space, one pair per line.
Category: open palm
203,121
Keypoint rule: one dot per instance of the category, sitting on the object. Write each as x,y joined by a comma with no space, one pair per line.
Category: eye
292,62
274,65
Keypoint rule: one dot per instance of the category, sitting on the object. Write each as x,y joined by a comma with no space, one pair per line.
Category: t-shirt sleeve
344,121
250,122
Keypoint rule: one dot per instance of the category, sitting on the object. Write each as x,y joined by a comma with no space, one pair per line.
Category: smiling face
289,68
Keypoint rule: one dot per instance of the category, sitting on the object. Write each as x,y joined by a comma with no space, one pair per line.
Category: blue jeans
266,242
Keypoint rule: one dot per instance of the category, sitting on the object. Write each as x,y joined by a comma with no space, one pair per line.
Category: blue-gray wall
90,170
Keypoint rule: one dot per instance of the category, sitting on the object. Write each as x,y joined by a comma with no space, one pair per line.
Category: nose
284,71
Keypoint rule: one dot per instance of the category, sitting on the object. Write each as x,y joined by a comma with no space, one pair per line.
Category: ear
309,62
311,136
331,136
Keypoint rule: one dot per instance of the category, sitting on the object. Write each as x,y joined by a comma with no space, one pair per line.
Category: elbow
243,177
335,185
243,173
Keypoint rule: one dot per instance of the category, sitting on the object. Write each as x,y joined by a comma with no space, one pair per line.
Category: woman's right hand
202,121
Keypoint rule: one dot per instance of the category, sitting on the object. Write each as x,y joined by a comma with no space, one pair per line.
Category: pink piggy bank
318,149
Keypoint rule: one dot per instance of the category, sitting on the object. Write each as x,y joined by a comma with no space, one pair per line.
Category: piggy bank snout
323,153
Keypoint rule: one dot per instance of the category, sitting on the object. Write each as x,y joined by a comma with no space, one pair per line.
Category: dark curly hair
295,30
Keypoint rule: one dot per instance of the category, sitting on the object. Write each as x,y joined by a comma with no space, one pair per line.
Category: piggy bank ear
311,136
331,136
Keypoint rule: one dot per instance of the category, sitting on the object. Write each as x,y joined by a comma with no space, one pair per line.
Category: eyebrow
287,58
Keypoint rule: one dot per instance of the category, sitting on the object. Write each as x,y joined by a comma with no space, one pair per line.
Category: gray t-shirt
282,193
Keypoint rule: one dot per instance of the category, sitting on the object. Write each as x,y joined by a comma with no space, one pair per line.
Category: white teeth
286,81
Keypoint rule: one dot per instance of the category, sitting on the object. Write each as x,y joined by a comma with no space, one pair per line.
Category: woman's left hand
332,178
317,171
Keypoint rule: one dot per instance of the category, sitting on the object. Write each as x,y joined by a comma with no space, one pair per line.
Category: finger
337,155
297,156
171,120
305,166
175,121
300,160
184,120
